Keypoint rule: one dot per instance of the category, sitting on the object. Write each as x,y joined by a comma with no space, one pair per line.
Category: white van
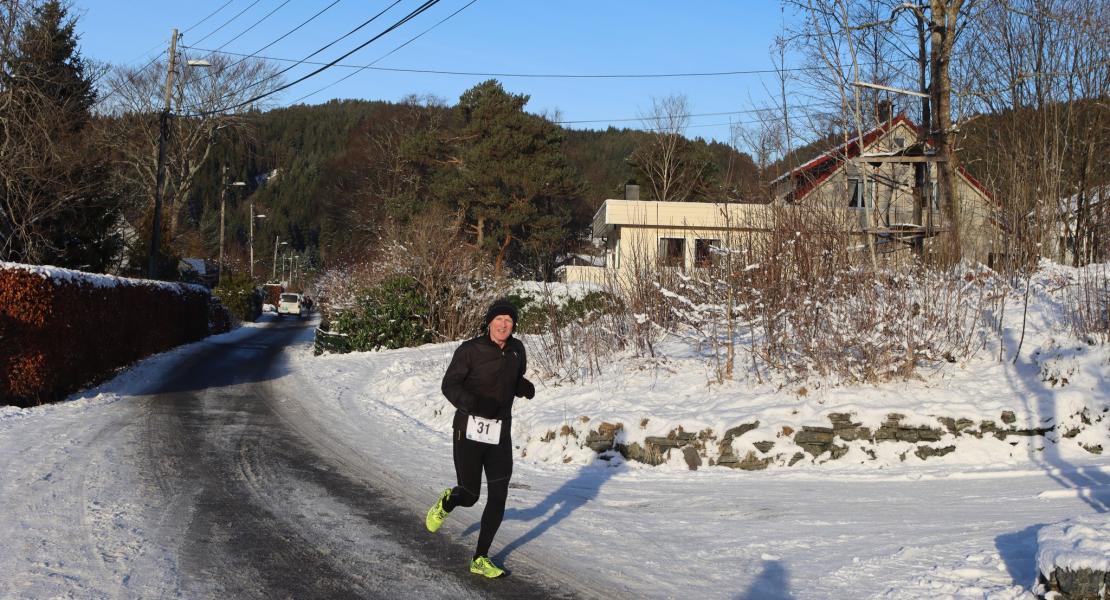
290,304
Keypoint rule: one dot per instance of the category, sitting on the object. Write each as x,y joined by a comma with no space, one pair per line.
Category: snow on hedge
60,275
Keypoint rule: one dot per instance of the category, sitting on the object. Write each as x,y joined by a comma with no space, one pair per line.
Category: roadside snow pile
1073,558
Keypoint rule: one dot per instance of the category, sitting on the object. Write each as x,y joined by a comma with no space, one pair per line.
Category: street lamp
223,194
273,274
253,217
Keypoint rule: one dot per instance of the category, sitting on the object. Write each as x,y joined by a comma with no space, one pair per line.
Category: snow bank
1079,543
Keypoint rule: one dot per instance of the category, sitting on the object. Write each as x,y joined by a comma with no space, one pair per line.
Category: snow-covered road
294,475
201,489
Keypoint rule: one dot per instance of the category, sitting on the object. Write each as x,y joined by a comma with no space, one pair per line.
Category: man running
485,375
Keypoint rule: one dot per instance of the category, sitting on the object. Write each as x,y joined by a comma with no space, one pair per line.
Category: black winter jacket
483,379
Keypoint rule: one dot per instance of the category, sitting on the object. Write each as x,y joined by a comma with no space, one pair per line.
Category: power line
534,75
228,22
190,28
384,56
296,62
210,15
412,15
288,33
713,114
209,74
255,24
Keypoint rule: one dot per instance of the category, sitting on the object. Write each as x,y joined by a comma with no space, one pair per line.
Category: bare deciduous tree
674,172
205,101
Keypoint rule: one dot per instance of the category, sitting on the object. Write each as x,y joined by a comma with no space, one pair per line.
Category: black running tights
471,458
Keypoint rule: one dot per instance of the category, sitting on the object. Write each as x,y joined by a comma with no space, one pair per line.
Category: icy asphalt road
206,488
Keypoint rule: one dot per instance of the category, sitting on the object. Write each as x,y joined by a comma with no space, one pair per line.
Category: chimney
631,192
884,111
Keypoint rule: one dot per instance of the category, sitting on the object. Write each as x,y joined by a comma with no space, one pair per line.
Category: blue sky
507,36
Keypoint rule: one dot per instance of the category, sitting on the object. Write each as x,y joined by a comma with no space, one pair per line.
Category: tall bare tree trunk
943,17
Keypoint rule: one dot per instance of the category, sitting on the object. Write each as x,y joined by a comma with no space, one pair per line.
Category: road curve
204,489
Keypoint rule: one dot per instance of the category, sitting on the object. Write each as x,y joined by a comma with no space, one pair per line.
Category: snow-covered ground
962,525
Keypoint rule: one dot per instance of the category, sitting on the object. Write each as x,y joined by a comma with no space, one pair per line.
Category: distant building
866,191
200,270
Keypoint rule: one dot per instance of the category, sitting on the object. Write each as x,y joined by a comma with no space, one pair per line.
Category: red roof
811,174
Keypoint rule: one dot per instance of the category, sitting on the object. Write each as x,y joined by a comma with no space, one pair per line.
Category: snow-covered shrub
239,294
389,315
453,283
575,336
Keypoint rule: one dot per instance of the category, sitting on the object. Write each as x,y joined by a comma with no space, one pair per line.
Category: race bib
487,431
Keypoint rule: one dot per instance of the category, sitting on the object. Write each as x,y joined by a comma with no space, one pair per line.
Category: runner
485,375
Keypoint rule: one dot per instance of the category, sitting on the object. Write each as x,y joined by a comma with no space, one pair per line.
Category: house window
856,197
706,253
899,143
672,252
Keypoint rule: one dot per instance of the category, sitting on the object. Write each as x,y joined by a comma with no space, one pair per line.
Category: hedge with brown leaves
63,330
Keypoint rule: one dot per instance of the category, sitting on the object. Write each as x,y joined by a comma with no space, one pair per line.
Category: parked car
290,304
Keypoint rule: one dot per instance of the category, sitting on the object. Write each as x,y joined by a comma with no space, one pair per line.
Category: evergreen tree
514,185
63,181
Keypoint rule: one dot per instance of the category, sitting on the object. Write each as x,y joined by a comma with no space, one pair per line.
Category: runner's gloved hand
526,389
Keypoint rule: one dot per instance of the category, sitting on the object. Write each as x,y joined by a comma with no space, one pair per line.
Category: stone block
886,433
907,434
764,446
693,459
599,443
814,435
662,442
926,434
1080,584
740,430
815,449
1008,417
836,452
797,456
924,452
849,434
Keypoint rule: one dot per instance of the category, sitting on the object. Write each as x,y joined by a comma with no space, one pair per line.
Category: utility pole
273,274
252,241
163,133
223,196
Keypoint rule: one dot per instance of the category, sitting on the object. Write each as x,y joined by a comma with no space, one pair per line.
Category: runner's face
500,328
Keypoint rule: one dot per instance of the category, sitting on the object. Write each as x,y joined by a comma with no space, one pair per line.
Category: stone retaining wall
816,443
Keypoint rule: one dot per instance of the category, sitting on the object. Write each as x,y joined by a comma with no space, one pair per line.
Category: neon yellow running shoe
436,514
485,567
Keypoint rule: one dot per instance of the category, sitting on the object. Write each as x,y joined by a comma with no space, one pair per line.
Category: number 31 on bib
487,431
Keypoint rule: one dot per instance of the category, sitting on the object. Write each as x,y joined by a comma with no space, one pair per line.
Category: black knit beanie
501,307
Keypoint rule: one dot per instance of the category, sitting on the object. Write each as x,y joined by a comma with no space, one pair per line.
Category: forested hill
297,159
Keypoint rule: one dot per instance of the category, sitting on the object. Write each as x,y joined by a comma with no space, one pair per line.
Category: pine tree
514,185
68,215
